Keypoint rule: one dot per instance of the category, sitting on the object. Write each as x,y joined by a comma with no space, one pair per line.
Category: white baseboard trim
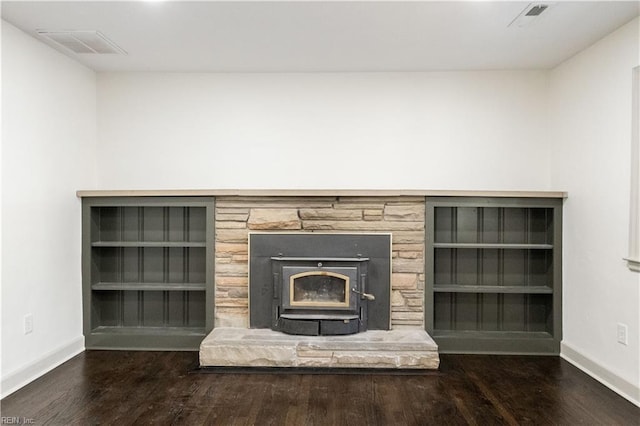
611,380
30,372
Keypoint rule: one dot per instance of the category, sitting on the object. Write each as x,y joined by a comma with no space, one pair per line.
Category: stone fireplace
353,297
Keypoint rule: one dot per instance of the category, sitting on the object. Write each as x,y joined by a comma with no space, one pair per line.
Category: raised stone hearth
393,349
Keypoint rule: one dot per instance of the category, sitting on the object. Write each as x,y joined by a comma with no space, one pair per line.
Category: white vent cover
82,41
530,14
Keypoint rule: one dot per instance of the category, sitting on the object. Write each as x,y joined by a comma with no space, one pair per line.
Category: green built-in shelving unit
147,272
493,274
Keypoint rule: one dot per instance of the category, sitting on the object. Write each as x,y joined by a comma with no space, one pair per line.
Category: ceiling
325,36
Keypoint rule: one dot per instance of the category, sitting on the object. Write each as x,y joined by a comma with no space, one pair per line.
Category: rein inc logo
16,421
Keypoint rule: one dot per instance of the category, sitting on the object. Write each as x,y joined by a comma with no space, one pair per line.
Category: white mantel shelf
317,193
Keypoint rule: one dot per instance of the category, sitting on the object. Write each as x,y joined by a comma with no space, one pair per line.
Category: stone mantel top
317,193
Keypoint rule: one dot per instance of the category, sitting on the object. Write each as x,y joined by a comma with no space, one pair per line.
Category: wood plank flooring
166,388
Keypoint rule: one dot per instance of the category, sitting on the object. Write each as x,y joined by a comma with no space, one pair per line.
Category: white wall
590,121
48,152
444,130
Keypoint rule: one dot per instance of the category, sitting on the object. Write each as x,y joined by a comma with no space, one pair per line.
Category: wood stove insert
320,296
319,284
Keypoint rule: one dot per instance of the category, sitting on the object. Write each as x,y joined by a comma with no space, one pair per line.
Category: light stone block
267,356
232,302
408,237
315,362
232,236
412,212
274,219
402,348
235,217
408,265
232,248
309,352
226,281
372,214
232,320
414,302
408,247
357,226
415,316
365,205
276,203
230,225
330,214
410,254
397,299
404,281
372,359
240,211
232,269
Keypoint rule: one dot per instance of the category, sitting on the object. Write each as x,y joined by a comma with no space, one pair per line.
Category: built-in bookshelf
147,272
493,274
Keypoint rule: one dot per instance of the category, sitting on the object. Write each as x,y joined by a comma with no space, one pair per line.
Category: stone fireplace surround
401,216
406,345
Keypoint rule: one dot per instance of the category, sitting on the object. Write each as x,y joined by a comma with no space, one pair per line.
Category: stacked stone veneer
403,217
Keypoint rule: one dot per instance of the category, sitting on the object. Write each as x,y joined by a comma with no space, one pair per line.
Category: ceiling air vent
536,10
530,14
92,42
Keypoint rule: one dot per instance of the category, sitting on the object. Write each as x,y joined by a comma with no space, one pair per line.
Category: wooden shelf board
161,331
466,334
457,288
148,244
318,193
149,286
506,246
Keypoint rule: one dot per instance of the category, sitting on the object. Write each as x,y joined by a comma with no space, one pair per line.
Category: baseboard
611,380
30,372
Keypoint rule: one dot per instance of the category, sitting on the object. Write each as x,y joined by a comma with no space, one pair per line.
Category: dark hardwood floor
166,388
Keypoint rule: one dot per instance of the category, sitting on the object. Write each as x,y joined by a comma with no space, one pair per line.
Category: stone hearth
393,349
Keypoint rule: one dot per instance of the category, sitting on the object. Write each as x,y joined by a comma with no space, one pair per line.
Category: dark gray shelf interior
493,275
493,267
146,274
145,265
494,225
139,309
147,224
493,312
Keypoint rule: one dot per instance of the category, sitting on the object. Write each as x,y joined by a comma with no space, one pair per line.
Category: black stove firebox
320,284
320,296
